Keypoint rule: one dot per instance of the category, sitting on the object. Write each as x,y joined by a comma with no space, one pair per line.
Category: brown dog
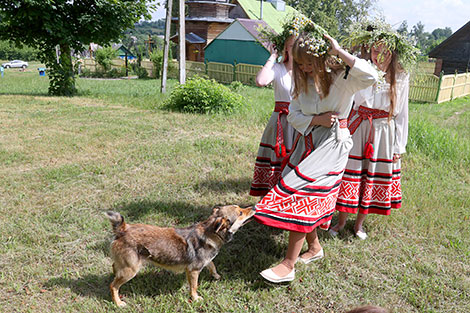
187,249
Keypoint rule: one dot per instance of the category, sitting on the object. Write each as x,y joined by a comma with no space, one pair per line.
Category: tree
333,15
403,28
441,33
67,24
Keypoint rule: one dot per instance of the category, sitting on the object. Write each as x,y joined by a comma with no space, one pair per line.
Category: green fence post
439,85
234,71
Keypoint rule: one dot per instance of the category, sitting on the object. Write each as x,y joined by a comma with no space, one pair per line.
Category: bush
140,71
105,56
157,60
8,51
115,73
236,86
201,95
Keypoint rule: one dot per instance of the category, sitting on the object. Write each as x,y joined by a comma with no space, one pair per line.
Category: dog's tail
117,221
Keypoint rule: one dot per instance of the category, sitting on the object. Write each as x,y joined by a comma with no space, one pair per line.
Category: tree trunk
61,75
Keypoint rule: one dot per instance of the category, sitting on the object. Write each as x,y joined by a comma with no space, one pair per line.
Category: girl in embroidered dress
278,135
305,196
379,127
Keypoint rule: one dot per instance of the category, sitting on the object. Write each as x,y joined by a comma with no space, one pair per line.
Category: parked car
15,63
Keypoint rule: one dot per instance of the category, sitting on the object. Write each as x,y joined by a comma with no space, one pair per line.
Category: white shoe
317,256
269,275
361,235
333,233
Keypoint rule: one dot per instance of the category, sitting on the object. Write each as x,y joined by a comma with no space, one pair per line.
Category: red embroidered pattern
365,193
297,212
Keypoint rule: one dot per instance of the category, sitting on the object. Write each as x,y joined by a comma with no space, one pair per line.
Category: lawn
65,161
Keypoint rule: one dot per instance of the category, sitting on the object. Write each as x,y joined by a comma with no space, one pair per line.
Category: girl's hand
326,119
273,50
396,157
335,47
340,52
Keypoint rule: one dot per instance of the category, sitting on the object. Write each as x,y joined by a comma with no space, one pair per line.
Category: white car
15,63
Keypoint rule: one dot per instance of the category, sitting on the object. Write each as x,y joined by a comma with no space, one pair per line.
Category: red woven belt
281,107
367,114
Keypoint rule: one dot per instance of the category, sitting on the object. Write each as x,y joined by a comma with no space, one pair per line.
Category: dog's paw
121,304
197,298
216,276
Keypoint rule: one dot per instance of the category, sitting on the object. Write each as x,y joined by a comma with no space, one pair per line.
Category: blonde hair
324,67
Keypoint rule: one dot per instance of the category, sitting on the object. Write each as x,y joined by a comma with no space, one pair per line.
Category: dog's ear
215,209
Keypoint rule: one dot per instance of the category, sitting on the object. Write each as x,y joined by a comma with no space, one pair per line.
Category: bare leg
313,245
296,240
359,221
342,217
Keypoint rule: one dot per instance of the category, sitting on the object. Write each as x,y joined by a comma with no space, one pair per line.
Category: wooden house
208,18
194,46
453,54
122,51
239,43
205,19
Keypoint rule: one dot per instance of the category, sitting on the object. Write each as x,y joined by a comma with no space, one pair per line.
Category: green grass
64,161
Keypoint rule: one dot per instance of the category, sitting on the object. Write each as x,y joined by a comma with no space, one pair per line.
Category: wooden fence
221,72
424,86
93,66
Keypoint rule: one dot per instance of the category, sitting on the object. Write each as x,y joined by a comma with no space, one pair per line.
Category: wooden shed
122,51
239,43
194,46
453,54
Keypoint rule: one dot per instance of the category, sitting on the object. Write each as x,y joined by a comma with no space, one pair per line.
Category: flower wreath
294,26
314,40
368,32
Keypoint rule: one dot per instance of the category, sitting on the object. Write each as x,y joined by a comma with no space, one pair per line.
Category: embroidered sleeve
401,119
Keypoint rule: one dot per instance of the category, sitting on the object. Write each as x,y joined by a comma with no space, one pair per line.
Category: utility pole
182,43
169,5
260,9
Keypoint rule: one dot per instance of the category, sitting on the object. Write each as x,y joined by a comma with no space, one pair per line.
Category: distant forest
149,28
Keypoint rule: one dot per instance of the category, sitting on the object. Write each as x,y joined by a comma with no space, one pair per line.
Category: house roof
191,38
205,19
271,16
122,48
251,28
461,34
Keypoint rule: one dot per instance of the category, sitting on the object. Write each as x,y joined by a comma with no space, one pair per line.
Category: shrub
9,51
236,86
105,56
201,95
140,71
116,73
157,60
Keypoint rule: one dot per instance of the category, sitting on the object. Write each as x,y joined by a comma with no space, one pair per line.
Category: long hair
392,71
285,53
323,69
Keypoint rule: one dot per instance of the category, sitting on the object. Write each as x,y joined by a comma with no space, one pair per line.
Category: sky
432,13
